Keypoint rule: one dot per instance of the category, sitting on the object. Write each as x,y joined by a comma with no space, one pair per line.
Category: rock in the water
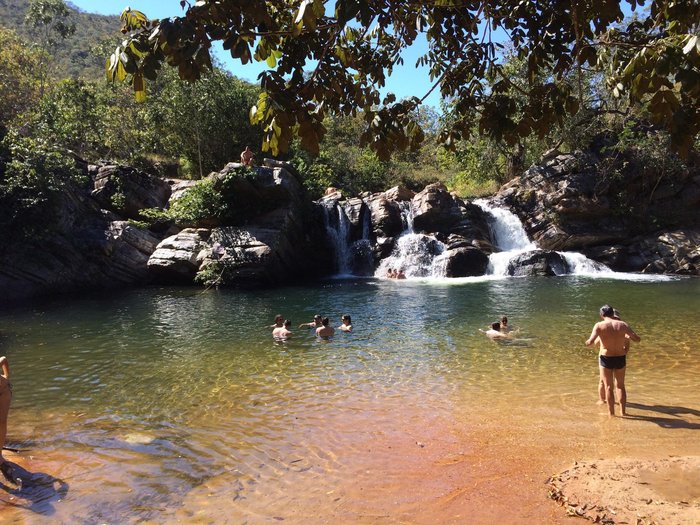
537,262
465,262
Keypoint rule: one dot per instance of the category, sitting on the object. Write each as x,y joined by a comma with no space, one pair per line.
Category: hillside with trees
189,129
78,55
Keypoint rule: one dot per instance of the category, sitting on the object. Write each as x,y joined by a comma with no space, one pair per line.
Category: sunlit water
175,405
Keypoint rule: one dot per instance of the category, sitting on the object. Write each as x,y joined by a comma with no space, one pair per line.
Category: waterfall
579,264
510,238
351,258
415,254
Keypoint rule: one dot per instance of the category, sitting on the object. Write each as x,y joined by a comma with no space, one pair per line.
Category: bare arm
632,335
594,335
5,367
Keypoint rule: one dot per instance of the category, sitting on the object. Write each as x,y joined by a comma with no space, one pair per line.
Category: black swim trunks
613,361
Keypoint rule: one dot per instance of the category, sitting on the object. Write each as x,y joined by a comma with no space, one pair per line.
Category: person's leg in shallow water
619,375
5,399
608,380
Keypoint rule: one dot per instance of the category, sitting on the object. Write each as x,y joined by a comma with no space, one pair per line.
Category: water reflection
147,402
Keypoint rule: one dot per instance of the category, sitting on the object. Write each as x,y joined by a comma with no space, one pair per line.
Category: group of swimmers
320,324
394,273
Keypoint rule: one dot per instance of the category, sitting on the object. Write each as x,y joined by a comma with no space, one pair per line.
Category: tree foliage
205,123
51,22
653,61
19,79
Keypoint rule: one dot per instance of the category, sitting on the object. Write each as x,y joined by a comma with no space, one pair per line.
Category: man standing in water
613,349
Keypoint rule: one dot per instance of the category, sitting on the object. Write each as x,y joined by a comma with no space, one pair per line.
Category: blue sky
405,81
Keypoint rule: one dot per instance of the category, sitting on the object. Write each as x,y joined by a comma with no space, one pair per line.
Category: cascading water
510,237
351,258
414,254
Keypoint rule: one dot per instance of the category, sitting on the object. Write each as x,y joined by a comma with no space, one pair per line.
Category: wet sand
410,466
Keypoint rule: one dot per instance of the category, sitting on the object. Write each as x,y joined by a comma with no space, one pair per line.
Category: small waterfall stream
414,254
352,258
419,255
510,237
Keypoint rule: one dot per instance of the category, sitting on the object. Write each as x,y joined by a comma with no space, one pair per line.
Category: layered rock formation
275,234
83,245
273,238
629,222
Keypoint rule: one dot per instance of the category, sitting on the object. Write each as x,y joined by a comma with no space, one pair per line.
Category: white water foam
416,255
511,239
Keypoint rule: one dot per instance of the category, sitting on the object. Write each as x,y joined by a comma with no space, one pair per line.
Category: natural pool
167,405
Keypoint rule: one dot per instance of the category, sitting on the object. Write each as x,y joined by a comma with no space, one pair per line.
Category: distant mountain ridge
78,55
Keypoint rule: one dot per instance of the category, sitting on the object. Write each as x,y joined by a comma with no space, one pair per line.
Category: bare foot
600,402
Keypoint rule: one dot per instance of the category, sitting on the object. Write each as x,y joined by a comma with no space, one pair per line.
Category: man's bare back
613,334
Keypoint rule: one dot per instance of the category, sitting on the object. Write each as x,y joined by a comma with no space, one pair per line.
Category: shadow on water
34,491
666,422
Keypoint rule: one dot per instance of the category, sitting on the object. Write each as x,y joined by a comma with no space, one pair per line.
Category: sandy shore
497,463
641,492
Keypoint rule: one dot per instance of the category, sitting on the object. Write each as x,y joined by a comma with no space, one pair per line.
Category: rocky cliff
276,235
630,222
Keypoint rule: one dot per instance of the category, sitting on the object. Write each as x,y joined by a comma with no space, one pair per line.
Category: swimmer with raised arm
494,332
317,322
279,321
612,358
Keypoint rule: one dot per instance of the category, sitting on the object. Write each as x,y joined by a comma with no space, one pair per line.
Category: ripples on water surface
149,402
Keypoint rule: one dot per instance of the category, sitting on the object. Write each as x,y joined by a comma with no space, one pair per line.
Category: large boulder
465,262
435,209
126,190
82,247
537,262
175,259
275,236
615,208
399,194
387,221
676,251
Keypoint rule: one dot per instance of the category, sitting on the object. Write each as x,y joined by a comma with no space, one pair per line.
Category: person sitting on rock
247,157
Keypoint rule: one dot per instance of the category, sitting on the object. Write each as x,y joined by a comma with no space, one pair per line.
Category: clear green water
140,402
